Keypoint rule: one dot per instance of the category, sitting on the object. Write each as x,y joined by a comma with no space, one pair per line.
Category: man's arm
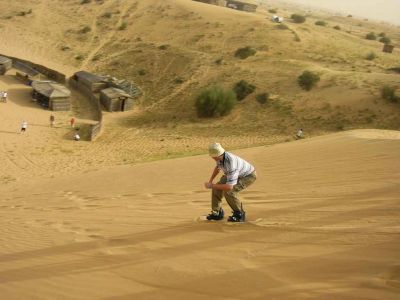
214,174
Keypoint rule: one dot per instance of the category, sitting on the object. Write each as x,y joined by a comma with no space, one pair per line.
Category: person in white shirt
300,134
238,175
24,126
77,137
5,94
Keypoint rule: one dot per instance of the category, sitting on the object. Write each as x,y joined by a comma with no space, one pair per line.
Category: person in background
52,120
24,126
300,134
238,175
72,122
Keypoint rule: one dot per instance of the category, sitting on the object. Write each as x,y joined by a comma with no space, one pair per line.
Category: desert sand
323,220
110,219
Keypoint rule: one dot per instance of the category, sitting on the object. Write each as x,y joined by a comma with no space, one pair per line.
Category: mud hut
95,83
114,99
5,64
51,95
388,48
214,2
242,5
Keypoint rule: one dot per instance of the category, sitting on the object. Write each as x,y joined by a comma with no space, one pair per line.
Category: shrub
389,93
371,36
245,52
85,29
371,56
86,1
298,18
122,26
337,27
242,89
215,101
308,80
142,72
385,40
282,26
262,98
107,15
179,80
382,34
320,23
163,47
272,11
219,61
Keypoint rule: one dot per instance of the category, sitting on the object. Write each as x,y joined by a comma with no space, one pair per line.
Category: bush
262,98
272,11
85,29
242,89
245,52
122,26
308,80
142,72
298,18
389,93
215,101
371,56
337,27
382,34
282,26
385,40
371,36
86,1
163,47
320,23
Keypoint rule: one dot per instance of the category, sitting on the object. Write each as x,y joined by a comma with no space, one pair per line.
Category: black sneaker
216,216
237,216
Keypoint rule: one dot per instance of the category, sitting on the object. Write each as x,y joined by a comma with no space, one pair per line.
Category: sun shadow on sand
9,132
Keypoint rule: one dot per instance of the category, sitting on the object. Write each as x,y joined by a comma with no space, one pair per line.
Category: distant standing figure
52,120
72,122
5,94
1,95
300,134
24,126
77,137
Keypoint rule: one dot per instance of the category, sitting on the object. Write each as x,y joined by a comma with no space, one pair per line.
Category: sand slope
323,224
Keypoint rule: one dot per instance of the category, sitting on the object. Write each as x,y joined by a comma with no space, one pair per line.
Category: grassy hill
174,49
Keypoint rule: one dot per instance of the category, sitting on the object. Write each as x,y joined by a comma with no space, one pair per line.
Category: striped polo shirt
234,168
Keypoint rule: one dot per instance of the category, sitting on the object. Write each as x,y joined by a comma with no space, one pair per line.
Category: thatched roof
51,89
115,93
90,76
4,60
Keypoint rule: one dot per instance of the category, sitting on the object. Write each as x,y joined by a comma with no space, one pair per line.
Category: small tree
320,23
272,11
215,101
337,27
371,36
308,80
298,18
385,40
262,98
389,93
242,89
371,56
245,52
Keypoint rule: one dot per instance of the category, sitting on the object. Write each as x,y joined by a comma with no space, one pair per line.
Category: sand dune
323,224
93,221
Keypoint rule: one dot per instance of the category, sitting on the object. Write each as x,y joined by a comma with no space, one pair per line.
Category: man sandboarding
238,175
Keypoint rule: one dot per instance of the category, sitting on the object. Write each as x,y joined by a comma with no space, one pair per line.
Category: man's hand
208,185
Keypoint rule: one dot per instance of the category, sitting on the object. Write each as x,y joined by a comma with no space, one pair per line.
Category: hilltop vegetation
175,49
